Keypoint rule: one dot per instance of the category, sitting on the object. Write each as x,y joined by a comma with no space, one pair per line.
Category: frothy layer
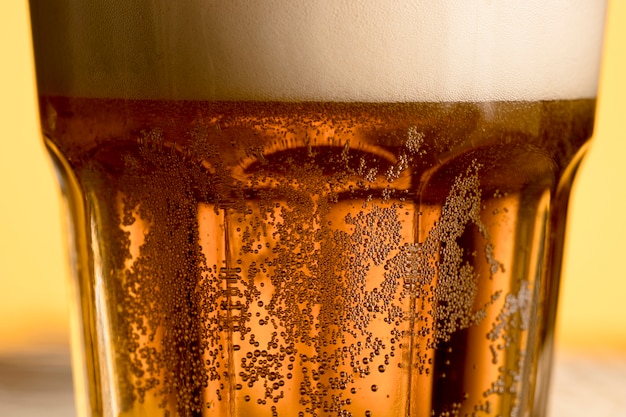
379,51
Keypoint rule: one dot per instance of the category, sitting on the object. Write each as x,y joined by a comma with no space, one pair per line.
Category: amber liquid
316,259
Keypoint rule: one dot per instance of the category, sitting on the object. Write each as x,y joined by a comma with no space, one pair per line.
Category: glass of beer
315,208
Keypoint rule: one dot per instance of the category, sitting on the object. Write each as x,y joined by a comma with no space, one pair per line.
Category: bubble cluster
314,284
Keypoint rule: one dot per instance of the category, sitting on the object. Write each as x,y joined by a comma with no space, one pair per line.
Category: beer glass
315,208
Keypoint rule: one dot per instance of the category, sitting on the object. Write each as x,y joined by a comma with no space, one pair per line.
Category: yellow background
33,291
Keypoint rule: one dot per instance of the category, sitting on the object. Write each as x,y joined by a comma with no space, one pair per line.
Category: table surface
584,384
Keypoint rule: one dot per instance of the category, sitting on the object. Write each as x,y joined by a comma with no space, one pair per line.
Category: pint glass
315,208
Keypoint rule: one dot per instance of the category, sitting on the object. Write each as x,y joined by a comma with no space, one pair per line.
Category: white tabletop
588,384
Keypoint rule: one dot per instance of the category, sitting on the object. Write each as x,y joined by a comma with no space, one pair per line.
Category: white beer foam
325,50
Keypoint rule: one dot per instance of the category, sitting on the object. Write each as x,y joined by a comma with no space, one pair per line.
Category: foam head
325,50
